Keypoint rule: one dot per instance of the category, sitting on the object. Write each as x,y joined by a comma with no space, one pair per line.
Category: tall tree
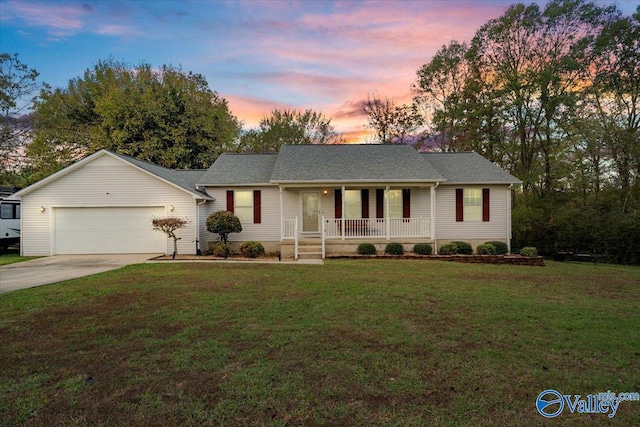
392,124
18,89
165,116
614,93
289,127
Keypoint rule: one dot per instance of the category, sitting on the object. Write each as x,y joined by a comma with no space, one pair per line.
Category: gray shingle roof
240,169
352,163
185,179
468,168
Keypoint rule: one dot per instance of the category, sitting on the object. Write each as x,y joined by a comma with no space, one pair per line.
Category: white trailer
9,223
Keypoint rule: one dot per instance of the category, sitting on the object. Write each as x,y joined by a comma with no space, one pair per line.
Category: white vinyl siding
448,229
472,204
103,182
267,231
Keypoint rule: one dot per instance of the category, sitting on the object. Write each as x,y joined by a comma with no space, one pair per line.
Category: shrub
529,251
394,249
223,223
221,249
501,247
252,249
422,249
486,249
448,249
366,249
464,248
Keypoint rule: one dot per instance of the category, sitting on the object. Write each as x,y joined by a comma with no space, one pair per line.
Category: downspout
198,249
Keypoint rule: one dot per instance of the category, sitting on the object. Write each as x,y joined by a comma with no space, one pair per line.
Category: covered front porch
338,218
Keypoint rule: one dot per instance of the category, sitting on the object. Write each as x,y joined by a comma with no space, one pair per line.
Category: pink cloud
60,19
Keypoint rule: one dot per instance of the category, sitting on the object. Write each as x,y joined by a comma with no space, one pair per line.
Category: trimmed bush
252,249
223,223
529,251
366,249
501,247
486,249
448,249
464,248
394,249
422,249
221,249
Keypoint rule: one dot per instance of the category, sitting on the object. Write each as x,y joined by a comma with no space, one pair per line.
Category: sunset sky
259,55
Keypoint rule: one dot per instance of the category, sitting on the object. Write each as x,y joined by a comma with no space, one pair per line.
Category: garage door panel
107,230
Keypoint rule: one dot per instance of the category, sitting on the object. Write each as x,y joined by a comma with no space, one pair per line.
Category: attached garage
107,230
104,204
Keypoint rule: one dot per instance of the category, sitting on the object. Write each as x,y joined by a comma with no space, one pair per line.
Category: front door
310,209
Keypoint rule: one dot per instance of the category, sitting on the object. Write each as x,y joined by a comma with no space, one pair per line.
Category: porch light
42,209
325,192
171,208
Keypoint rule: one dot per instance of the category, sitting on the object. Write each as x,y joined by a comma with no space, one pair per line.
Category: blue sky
259,55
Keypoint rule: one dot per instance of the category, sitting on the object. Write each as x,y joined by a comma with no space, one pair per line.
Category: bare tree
17,86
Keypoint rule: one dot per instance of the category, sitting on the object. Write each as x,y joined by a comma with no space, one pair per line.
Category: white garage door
107,230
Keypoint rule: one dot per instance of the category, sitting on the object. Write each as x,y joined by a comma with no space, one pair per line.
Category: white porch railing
290,231
376,227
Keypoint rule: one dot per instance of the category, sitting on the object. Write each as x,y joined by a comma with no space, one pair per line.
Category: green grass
365,342
11,257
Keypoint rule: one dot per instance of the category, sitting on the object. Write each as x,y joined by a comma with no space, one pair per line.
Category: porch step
310,250
310,255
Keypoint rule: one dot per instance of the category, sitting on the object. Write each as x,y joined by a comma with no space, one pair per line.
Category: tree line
551,94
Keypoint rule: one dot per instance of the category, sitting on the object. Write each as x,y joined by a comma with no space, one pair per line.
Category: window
243,206
472,204
352,204
472,199
10,211
246,205
395,204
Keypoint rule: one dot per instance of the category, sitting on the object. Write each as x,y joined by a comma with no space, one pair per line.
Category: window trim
485,205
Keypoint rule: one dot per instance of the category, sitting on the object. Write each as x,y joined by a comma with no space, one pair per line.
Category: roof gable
184,180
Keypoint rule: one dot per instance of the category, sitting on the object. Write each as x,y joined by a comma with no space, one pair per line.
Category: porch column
344,223
281,217
386,215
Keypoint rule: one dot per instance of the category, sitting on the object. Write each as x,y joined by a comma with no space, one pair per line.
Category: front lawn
13,257
365,342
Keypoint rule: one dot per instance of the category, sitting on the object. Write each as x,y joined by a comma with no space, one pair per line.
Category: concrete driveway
52,269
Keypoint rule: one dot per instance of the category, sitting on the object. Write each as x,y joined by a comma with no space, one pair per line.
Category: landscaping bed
473,259
214,258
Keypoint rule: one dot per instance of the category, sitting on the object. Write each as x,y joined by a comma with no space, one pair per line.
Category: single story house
306,200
